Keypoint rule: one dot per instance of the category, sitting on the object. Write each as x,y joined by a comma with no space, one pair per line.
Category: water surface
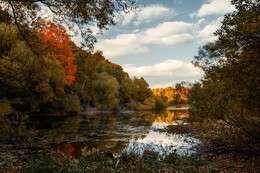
135,132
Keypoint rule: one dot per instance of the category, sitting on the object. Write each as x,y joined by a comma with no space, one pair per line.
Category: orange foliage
168,94
170,116
57,38
162,119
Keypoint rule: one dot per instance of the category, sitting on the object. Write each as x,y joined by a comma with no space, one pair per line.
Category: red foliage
69,151
61,90
57,38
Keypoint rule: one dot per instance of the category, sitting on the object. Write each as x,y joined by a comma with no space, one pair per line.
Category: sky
159,42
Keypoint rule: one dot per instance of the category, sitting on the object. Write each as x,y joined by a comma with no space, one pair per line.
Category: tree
173,96
143,95
230,90
24,80
180,93
58,40
106,91
81,14
142,89
127,90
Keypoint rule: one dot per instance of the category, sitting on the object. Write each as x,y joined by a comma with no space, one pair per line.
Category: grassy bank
102,162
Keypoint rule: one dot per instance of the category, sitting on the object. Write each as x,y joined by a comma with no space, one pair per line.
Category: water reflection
116,132
159,140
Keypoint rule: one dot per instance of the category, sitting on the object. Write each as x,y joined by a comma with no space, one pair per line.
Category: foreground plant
100,162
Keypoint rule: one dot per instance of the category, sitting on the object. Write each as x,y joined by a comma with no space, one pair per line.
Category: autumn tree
173,95
58,40
24,80
230,89
180,93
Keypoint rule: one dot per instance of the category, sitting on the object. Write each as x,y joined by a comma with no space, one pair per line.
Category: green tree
106,91
142,89
85,77
144,97
230,90
127,90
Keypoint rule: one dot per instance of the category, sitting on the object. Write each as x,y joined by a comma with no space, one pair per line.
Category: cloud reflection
158,140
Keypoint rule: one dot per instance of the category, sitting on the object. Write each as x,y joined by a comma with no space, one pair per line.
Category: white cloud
153,13
147,14
175,39
201,21
165,73
167,28
128,18
120,45
165,34
168,33
218,7
206,34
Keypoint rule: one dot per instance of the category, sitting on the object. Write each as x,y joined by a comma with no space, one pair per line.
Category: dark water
81,135
117,133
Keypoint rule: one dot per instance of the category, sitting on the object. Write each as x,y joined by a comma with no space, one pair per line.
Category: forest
59,77
65,78
42,71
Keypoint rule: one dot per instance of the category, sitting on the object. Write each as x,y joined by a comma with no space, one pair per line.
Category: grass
98,163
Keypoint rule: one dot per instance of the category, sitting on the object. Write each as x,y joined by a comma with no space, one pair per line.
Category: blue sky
160,41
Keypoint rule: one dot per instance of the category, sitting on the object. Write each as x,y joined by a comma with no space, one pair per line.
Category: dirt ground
219,160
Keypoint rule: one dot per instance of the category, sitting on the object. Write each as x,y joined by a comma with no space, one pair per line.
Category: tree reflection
169,116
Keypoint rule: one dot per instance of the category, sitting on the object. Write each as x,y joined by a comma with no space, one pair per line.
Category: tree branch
19,29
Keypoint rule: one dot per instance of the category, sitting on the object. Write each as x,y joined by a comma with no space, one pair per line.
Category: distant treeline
172,95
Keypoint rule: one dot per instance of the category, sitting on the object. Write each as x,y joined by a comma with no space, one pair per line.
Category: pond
137,132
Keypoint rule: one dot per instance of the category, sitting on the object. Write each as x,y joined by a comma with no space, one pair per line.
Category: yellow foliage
85,152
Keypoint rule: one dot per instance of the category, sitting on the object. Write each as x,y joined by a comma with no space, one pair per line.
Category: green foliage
147,104
142,89
104,85
127,90
70,103
33,80
26,81
106,91
230,89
